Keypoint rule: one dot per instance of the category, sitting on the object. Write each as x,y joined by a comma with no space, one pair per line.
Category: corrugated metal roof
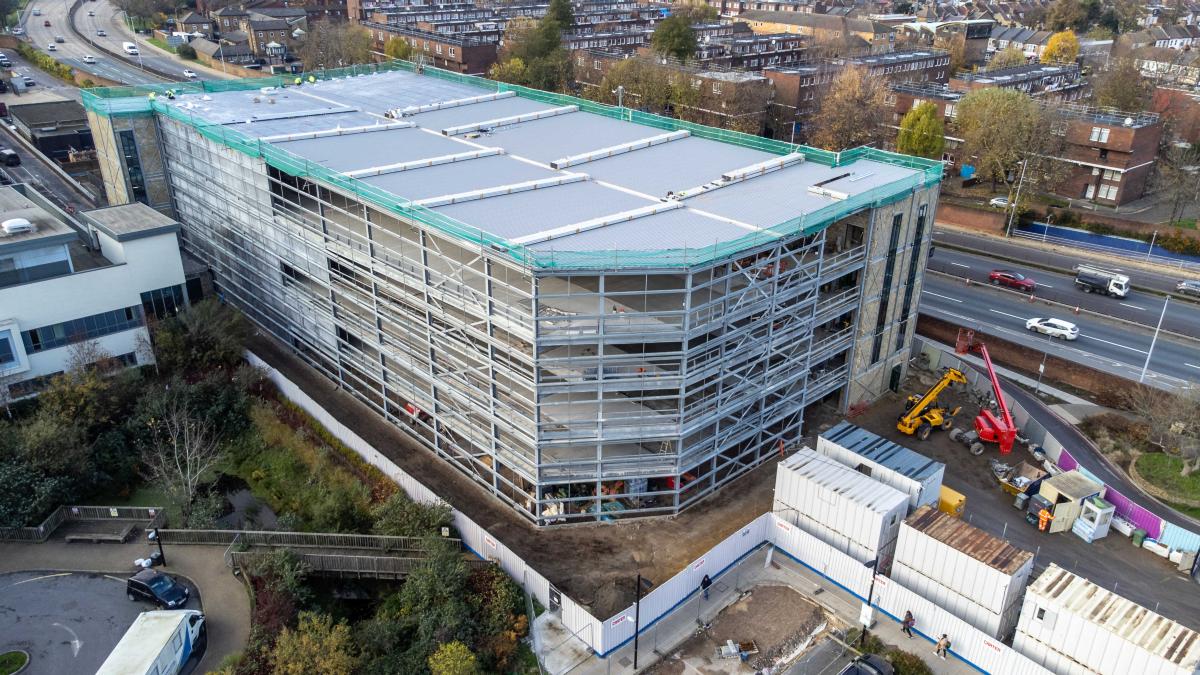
843,480
1152,632
882,451
955,533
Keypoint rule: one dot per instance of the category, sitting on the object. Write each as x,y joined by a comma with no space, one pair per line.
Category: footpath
562,653
223,597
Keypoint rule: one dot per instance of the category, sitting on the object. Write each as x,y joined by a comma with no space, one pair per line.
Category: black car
159,588
868,664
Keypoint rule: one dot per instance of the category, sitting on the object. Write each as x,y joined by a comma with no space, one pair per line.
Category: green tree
852,111
1007,58
1001,128
1068,14
435,600
208,336
400,516
561,12
1062,47
922,132
1122,86
317,645
674,37
28,495
551,72
511,71
453,658
398,48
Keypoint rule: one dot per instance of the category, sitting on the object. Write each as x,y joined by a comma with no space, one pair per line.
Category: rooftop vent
15,226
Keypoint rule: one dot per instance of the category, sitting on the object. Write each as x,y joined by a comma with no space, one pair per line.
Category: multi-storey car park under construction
593,311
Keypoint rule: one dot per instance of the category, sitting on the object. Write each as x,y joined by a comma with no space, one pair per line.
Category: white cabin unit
962,569
158,643
887,462
855,514
1074,627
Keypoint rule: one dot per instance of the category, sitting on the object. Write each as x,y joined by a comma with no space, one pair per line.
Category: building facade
593,312
93,277
1111,154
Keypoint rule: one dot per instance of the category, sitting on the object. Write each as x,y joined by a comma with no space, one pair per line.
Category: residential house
821,28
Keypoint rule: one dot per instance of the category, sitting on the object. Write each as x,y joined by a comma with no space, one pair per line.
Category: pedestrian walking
704,584
907,624
943,646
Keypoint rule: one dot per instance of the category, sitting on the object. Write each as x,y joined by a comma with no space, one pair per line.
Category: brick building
822,28
1049,82
1111,153
467,54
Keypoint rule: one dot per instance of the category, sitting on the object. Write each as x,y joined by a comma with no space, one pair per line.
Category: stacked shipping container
963,569
1074,627
843,508
889,463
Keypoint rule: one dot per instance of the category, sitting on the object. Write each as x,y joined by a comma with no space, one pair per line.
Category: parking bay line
47,576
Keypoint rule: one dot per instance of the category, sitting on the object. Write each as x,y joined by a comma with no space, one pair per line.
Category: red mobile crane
988,427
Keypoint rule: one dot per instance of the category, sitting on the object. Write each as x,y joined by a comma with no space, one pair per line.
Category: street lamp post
1042,368
1153,340
866,613
1016,200
129,22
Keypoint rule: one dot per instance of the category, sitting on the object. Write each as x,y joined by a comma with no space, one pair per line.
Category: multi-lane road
1103,344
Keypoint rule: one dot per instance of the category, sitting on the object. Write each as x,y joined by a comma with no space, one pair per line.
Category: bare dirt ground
776,618
611,553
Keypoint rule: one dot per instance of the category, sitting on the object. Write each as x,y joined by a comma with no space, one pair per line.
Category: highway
73,50
1139,306
1103,344
113,23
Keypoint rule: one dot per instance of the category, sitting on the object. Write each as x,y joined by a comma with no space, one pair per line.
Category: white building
66,280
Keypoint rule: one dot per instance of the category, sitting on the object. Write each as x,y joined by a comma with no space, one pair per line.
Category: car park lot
67,621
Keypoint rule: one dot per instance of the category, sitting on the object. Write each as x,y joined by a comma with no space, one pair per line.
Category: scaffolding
574,385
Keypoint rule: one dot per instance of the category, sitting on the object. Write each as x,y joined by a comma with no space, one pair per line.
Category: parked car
1054,328
28,80
100,33
998,202
88,58
37,12
18,31
59,39
1188,287
1012,279
46,23
9,157
159,588
51,47
91,13
189,73
868,664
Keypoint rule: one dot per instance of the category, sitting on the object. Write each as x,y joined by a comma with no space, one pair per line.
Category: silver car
1054,328
1188,287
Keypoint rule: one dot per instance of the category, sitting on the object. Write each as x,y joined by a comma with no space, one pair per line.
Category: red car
1012,280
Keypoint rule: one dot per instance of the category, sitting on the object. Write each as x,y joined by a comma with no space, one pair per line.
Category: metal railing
268,538
1109,250
152,516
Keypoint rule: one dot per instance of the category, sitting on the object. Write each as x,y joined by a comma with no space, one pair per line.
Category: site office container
888,462
857,515
1067,491
978,577
1074,627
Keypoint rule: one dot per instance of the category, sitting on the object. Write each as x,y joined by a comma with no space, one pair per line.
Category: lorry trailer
1091,279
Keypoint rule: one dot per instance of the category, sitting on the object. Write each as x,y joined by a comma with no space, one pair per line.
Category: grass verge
11,662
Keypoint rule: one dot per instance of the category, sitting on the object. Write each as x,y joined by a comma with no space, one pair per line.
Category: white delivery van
130,48
158,643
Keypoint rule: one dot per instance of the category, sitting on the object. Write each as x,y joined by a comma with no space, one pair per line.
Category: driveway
222,596
67,621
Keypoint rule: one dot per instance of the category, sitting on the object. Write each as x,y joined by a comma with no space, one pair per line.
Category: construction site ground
595,564
1112,562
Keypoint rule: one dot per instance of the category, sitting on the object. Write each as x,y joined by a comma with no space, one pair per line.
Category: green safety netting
142,100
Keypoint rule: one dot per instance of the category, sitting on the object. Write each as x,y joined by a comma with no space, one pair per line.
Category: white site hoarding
886,461
855,514
1074,627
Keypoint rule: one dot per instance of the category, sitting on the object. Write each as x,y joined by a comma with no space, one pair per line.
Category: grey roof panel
374,148
296,125
693,161
524,213
560,136
681,228
465,176
477,112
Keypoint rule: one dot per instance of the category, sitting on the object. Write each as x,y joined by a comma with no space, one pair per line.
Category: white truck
158,643
1091,279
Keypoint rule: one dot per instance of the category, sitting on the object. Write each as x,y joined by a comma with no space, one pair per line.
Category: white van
130,48
158,642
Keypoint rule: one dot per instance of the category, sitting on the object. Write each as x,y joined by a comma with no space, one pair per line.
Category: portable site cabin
1067,492
855,514
962,569
887,462
1071,626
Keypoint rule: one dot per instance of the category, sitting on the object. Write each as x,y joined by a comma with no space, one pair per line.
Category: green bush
45,62
907,663
186,52
400,516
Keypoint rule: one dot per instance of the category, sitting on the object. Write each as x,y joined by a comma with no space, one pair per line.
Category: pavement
1106,345
225,600
562,654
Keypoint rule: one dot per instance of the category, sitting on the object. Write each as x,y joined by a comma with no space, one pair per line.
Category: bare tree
334,45
181,451
1173,420
853,111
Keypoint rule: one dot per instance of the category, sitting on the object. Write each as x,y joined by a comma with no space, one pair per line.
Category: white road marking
1007,314
1140,309
48,576
944,297
76,643
960,265
1139,351
1045,285
1191,365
